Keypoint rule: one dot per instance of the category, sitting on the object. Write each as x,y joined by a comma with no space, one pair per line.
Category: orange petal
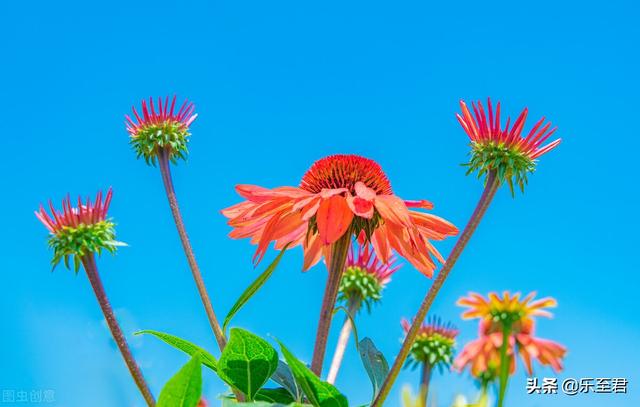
360,207
393,209
312,252
333,219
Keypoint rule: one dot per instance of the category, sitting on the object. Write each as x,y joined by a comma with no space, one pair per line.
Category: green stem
336,269
424,383
489,192
343,339
90,267
504,364
165,170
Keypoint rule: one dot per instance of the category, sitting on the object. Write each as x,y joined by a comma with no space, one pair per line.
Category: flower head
498,313
509,309
340,194
504,150
78,231
434,344
365,276
161,129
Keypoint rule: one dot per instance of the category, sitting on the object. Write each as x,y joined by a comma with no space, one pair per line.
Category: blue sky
277,86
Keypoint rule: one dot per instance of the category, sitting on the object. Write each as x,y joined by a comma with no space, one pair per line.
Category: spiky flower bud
365,276
161,130
504,151
78,231
434,344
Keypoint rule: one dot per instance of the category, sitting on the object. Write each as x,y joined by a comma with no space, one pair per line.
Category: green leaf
247,362
374,363
279,395
253,288
187,347
319,393
185,387
284,378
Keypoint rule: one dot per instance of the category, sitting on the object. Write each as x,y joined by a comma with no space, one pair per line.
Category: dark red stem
89,263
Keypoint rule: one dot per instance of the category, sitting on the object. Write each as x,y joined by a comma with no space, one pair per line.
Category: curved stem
343,341
504,364
163,159
424,383
89,263
337,261
489,192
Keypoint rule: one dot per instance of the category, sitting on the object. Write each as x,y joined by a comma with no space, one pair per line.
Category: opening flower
497,313
504,150
80,230
161,129
339,194
434,344
365,276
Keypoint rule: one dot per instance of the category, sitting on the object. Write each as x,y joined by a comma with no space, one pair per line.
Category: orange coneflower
507,326
504,150
339,194
483,354
339,197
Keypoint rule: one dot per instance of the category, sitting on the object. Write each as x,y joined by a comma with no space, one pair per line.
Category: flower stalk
343,340
337,261
424,382
89,263
491,186
504,364
164,156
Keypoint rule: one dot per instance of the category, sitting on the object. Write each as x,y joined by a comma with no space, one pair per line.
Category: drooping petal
333,219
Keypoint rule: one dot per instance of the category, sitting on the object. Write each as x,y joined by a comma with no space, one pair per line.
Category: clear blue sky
277,86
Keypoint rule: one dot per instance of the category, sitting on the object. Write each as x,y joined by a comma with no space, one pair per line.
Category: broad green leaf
374,363
253,288
185,387
247,362
284,378
319,393
187,347
279,395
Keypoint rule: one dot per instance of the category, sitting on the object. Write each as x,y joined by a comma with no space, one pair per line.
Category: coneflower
340,197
